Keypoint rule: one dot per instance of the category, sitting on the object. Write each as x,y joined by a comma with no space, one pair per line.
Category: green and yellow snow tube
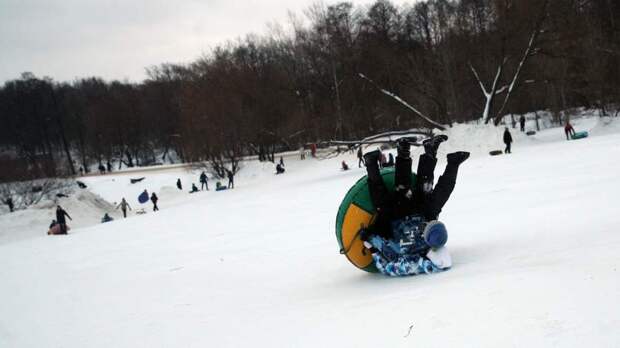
357,211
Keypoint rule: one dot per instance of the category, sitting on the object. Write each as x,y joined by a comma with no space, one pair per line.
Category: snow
533,238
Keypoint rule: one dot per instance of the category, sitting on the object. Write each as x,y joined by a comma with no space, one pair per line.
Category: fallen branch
398,99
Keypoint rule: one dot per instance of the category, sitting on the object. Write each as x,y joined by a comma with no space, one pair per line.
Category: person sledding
194,188
106,218
406,238
279,169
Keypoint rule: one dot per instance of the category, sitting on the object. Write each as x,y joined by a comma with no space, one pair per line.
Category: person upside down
406,237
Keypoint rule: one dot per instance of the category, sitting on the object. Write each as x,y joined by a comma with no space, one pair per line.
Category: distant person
522,123
281,161
109,165
219,186
101,169
106,218
345,166
507,140
360,157
81,171
313,150
154,199
60,219
382,160
302,153
194,188
231,179
203,181
124,205
9,202
179,186
569,130
390,162
279,169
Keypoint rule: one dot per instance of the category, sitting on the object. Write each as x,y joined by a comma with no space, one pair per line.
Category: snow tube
143,197
357,211
579,135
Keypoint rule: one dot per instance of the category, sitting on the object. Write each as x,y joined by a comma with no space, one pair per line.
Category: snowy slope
533,237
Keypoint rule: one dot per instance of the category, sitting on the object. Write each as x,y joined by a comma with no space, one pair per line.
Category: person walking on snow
154,199
231,179
522,123
569,130
507,140
9,202
360,158
179,186
60,219
203,181
124,205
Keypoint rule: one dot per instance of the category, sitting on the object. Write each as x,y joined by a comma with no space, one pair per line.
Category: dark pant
63,228
422,199
204,183
231,184
360,162
507,150
124,212
155,208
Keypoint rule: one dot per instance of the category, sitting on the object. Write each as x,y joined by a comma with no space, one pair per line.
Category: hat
435,234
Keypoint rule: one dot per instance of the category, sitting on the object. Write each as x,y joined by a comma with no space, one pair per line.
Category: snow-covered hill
533,237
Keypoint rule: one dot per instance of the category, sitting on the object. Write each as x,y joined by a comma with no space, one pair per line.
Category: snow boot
456,158
432,144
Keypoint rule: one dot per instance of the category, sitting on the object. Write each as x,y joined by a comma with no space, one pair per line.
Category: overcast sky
118,39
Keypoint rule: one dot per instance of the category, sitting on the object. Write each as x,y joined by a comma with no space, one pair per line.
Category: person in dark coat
390,162
124,205
231,179
109,165
81,171
282,161
507,140
106,218
60,219
345,166
569,130
9,202
203,181
154,199
360,158
522,123
179,186
279,169
194,188
101,169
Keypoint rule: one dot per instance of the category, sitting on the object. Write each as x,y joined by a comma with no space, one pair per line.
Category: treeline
452,60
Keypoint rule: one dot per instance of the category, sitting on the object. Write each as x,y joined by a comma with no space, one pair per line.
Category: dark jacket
203,177
60,216
507,137
154,198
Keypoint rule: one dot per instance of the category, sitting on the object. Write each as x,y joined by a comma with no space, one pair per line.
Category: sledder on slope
400,229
